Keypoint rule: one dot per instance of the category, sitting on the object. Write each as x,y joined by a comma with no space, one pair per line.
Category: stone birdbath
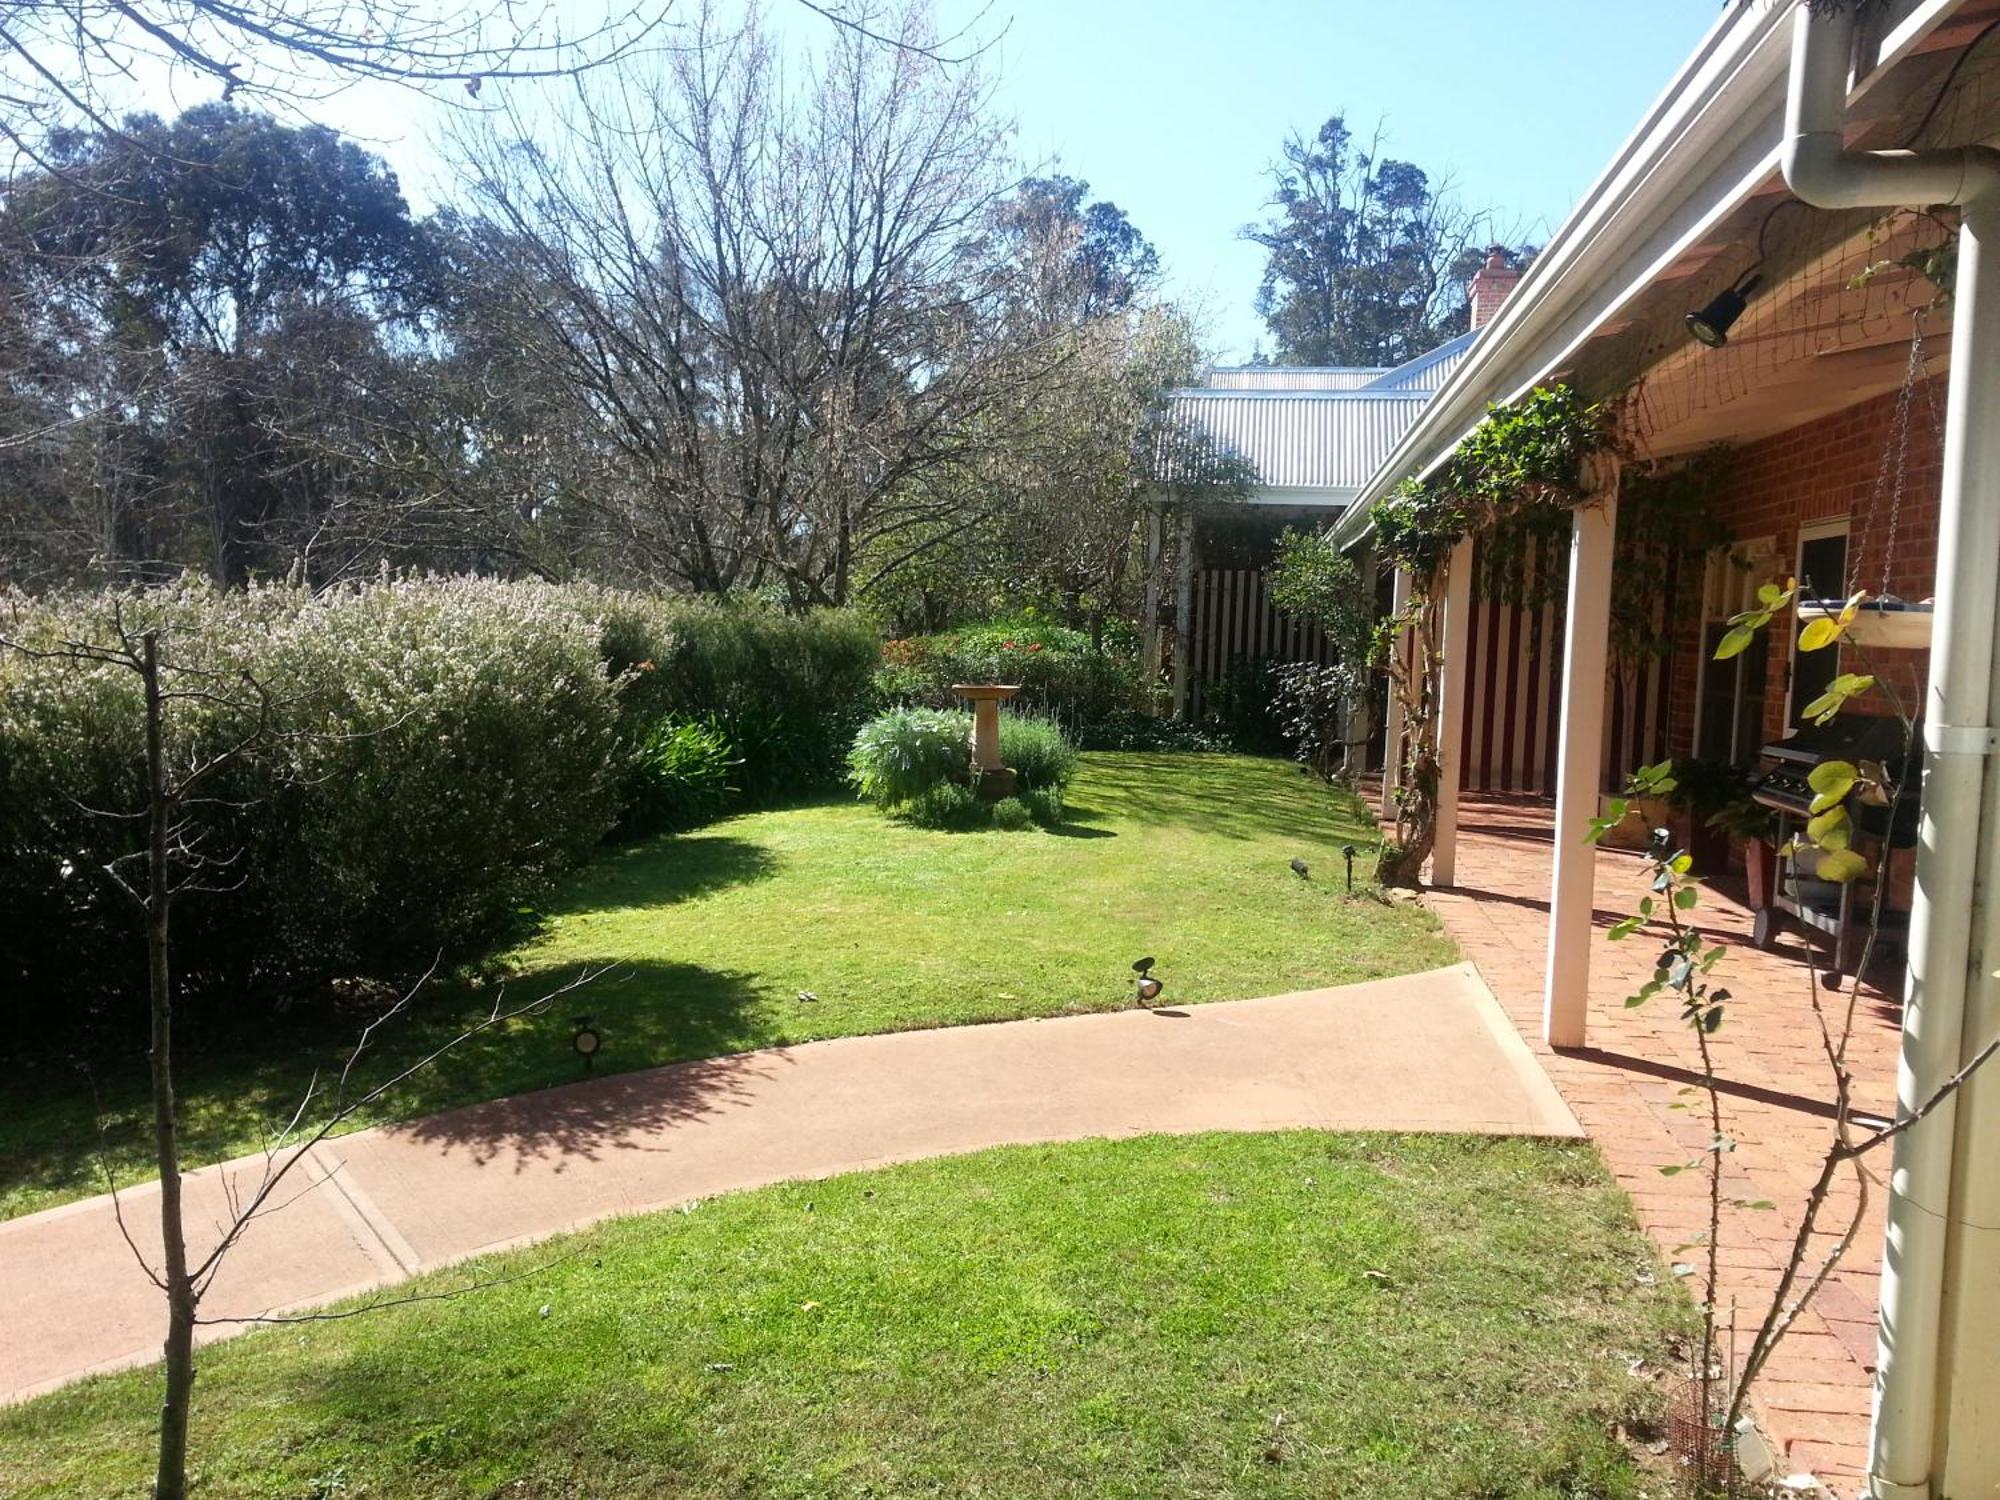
994,780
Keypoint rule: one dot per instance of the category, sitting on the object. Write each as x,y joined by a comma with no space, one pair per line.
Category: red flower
1035,646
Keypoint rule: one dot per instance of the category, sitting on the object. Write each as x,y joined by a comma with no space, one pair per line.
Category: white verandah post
1392,737
1586,653
1455,674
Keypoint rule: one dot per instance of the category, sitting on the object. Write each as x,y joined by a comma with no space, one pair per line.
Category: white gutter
1955,854
1698,119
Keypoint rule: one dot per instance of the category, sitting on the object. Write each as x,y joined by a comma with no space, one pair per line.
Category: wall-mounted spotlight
1710,325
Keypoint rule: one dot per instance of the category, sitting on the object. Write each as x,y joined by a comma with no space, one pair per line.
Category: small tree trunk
171,1480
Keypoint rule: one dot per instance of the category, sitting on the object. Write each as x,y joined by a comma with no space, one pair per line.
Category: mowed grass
707,939
1282,1315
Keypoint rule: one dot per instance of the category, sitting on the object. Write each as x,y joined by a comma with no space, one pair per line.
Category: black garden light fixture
1147,989
1347,853
585,1039
1710,325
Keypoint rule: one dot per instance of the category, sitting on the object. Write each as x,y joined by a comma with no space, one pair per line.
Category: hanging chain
1897,454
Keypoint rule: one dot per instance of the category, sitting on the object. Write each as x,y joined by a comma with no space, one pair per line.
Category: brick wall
1822,471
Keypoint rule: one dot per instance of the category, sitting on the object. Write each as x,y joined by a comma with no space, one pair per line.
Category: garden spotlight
585,1038
1347,853
1147,990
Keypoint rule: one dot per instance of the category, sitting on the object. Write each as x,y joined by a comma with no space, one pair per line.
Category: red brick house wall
1825,470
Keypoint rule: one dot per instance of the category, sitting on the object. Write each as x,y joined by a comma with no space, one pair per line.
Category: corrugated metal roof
1310,439
1427,371
1292,377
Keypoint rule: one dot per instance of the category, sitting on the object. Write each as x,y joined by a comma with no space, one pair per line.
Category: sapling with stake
1688,959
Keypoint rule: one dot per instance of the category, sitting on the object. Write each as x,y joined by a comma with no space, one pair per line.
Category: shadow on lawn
545,1105
665,870
1212,793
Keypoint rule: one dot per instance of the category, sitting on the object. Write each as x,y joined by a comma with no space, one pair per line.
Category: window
1729,704
1822,574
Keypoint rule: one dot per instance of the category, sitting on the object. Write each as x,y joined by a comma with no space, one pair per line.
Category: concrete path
1426,1052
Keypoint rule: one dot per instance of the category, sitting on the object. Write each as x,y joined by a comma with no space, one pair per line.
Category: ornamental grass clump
681,776
1037,751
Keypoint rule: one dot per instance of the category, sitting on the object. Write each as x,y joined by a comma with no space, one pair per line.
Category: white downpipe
1392,737
1954,859
1579,771
1451,710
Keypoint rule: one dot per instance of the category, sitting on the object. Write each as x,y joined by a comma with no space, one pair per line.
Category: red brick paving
1627,1088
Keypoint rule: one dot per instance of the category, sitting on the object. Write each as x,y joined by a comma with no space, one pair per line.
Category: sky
1174,109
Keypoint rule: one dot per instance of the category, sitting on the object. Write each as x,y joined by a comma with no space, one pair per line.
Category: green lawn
1296,1315
712,935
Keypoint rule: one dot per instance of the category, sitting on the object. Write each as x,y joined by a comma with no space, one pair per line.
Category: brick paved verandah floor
1629,1089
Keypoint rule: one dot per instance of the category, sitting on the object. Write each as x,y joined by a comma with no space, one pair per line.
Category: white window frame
1811,531
1728,589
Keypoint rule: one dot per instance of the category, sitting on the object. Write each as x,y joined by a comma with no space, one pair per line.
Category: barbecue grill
1836,910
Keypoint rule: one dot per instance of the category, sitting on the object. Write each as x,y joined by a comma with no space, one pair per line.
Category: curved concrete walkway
1426,1052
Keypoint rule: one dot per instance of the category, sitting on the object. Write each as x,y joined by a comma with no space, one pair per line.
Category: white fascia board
1575,284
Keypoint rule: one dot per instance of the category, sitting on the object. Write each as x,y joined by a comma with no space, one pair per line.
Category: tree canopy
1366,258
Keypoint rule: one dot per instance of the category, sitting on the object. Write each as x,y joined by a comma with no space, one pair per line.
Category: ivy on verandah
1514,480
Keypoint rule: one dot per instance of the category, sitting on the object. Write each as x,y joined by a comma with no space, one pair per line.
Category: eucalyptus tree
216,307
1366,258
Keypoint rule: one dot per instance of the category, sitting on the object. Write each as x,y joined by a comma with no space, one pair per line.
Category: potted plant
1754,826
1702,788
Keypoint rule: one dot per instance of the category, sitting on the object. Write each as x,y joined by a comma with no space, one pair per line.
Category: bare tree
69,64
775,302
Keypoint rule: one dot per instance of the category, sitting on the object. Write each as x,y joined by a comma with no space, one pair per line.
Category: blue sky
1174,108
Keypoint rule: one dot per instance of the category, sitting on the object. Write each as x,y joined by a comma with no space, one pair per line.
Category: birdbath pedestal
993,779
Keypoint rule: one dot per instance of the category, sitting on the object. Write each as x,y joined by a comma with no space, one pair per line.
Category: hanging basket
1887,624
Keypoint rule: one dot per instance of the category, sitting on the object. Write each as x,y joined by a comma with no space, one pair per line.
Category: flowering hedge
437,752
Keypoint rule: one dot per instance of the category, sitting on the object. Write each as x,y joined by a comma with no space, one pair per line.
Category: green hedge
786,691
437,752
1062,676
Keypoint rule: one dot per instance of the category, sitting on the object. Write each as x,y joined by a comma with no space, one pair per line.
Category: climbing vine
1523,463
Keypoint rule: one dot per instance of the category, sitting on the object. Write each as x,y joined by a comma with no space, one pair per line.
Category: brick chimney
1490,285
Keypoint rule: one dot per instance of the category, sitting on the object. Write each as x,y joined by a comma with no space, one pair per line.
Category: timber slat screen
1513,713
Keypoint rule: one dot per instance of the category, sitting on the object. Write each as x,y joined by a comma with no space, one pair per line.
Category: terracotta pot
1760,869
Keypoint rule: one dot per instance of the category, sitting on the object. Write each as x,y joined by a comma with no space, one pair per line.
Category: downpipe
1953,857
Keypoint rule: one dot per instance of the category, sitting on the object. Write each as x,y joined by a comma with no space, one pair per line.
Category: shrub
787,691
899,756
680,776
947,805
1037,750
438,751
1060,674
1044,805
1011,815
1145,732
